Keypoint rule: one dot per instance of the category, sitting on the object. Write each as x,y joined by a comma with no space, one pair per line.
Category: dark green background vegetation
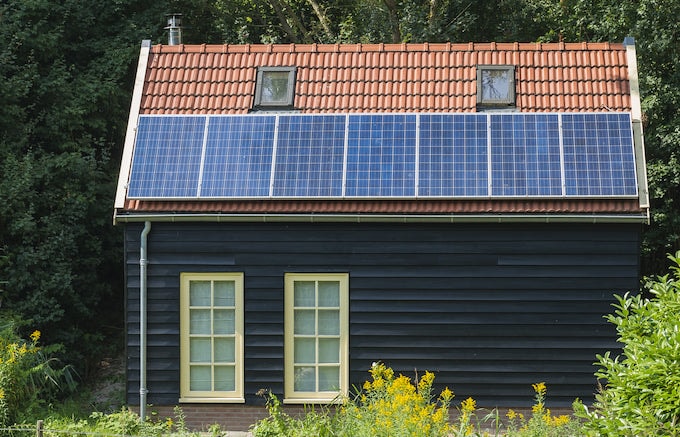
67,72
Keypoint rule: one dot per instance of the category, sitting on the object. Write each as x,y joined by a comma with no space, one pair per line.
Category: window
275,87
211,335
316,340
496,85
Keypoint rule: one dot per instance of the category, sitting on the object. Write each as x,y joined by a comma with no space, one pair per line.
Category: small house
293,213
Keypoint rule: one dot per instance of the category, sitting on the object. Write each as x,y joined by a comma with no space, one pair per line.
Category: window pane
199,378
225,378
305,322
199,322
199,350
329,350
304,294
305,379
329,294
329,322
224,294
225,350
199,293
224,322
305,351
275,87
329,378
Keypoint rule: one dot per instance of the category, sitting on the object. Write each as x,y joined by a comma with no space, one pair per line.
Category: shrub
29,378
641,392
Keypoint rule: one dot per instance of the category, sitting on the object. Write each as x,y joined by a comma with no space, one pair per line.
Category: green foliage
122,422
641,396
387,406
29,377
541,423
66,73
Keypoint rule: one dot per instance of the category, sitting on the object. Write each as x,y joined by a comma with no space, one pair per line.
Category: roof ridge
385,47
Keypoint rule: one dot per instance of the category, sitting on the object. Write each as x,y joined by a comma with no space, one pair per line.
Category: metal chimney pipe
174,29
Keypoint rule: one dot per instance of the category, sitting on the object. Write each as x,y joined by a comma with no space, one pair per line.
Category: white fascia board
636,114
128,147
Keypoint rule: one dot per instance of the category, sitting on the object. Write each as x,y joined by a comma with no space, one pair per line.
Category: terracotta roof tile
434,77
387,77
445,206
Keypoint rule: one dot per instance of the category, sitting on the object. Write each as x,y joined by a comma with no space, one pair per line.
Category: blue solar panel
453,159
384,156
309,156
238,156
381,156
599,155
525,151
167,157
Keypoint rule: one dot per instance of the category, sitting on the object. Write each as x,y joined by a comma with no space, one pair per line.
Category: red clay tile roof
220,79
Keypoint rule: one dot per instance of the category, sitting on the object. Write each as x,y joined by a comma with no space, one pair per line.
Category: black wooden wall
490,308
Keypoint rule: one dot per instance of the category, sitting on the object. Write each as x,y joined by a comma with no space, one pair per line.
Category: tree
67,69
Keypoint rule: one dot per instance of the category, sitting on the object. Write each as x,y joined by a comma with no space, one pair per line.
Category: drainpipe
142,321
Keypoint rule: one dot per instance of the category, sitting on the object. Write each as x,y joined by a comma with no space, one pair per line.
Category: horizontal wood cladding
490,308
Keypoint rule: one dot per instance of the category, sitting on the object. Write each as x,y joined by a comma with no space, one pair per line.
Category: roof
381,78
204,79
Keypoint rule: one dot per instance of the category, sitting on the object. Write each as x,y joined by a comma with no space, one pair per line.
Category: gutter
382,218
142,320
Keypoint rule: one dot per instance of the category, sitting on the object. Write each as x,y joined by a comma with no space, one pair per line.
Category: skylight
495,85
275,87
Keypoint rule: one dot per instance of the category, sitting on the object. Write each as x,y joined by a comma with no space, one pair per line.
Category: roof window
275,87
495,85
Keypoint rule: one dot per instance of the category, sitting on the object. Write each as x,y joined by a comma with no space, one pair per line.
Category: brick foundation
230,417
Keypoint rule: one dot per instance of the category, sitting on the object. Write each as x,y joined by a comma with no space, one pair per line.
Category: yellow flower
511,414
446,395
537,408
468,405
2,394
169,422
540,388
35,336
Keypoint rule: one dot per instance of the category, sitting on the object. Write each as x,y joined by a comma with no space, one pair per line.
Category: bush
641,392
29,378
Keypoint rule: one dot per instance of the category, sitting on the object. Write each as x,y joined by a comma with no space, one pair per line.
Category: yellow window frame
212,396
309,397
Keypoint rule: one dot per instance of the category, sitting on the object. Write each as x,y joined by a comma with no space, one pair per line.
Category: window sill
336,400
212,400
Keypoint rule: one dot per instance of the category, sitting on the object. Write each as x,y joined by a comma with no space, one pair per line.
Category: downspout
142,320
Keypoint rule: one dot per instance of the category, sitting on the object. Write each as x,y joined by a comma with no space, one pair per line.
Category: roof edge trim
384,218
135,105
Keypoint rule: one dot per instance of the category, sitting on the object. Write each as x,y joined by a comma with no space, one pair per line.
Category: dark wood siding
490,308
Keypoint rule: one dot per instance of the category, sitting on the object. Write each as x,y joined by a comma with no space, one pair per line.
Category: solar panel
384,156
381,155
309,156
453,158
238,156
599,155
525,151
167,157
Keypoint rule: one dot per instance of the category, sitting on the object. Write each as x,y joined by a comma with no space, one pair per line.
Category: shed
294,213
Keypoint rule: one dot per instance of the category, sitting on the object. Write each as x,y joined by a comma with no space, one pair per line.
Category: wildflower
537,408
468,405
540,388
446,396
169,422
560,420
2,393
35,336
511,414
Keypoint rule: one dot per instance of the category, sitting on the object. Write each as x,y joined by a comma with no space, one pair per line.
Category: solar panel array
383,156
